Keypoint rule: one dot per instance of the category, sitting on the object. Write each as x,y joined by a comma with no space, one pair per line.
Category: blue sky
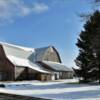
39,23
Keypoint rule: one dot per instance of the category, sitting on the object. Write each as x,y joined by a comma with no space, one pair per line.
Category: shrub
2,85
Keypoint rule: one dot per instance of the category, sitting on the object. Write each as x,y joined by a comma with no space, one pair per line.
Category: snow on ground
58,90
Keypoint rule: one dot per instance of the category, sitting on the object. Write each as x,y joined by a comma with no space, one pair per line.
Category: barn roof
27,57
24,52
26,63
19,56
17,47
17,51
57,66
38,54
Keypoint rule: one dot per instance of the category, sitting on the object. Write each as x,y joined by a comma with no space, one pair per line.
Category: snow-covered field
61,90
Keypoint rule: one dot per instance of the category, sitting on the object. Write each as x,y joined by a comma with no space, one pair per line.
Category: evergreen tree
88,43
95,41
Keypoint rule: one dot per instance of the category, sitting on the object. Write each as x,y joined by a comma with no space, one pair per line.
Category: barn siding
25,73
33,75
51,55
20,73
66,75
44,77
6,67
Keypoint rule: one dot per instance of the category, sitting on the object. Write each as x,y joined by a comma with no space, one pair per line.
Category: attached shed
60,70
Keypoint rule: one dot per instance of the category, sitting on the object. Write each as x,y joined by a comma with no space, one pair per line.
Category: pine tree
85,56
95,41
88,43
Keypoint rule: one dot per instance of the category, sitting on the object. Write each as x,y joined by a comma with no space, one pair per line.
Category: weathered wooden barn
22,63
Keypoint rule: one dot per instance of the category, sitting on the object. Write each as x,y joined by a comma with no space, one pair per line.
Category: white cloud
10,9
25,11
40,7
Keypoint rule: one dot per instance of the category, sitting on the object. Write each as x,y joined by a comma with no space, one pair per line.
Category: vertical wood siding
6,68
51,55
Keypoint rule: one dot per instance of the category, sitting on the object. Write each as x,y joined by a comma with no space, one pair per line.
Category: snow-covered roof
27,57
20,56
57,66
17,51
24,52
26,63
39,52
17,47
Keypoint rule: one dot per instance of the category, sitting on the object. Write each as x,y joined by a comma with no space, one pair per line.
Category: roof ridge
18,46
44,47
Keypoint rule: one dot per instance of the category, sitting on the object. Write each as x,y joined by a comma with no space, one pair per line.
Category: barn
23,63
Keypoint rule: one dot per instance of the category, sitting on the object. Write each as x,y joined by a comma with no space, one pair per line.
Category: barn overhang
54,66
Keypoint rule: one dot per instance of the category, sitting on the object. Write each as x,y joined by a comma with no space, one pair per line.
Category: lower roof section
26,63
56,66
48,67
